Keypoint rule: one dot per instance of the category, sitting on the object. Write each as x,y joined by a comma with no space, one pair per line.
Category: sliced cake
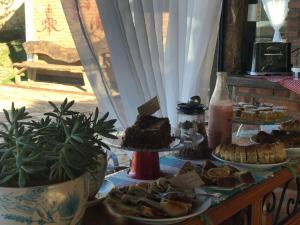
148,132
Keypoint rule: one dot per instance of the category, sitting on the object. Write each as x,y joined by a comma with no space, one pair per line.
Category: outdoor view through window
289,30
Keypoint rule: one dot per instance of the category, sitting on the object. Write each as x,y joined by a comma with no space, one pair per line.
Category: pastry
237,112
253,154
175,208
264,112
237,155
293,125
266,116
280,153
263,154
208,165
222,176
271,153
243,154
219,150
227,152
218,172
248,115
244,177
187,167
231,152
289,139
158,199
229,181
263,137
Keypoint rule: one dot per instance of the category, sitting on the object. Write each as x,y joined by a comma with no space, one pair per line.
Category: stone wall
49,23
293,29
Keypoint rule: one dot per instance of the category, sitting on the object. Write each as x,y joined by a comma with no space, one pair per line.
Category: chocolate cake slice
148,132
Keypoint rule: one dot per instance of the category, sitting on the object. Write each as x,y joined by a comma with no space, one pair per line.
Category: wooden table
253,197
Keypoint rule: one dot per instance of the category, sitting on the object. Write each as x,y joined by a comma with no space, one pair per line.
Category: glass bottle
220,114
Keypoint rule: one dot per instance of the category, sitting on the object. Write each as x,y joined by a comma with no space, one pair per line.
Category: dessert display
148,132
291,126
159,199
263,112
289,139
219,176
253,154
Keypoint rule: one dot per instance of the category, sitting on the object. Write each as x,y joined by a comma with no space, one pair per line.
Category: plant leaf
53,106
7,178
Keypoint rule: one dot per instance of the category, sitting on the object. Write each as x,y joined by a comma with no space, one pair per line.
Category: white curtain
276,11
161,48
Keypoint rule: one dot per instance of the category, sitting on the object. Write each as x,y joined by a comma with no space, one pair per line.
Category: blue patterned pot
96,177
58,204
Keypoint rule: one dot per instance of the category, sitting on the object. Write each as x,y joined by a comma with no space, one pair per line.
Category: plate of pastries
288,134
260,113
220,177
256,156
291,126
289,139
157,202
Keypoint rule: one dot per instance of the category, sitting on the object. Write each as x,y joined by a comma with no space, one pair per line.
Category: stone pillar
235,16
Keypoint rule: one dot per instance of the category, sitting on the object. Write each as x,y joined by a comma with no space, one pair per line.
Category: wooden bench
48,56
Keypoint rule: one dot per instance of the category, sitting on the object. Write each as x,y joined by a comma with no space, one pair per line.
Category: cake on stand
145,162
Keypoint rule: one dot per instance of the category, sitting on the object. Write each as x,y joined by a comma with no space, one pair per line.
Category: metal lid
193,107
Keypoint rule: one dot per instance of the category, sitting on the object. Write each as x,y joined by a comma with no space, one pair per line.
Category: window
290,31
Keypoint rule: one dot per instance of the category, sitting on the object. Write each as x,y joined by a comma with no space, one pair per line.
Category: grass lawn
10,52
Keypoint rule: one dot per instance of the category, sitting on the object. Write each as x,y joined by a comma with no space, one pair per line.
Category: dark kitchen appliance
270,58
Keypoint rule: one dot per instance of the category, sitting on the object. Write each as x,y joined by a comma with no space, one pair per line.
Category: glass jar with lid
191,121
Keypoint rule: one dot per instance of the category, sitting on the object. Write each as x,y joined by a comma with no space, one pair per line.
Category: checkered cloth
287,82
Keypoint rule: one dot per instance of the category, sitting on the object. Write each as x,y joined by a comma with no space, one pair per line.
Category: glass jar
220,114
191,121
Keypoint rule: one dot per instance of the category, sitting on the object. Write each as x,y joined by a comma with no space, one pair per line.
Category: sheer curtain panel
161,48
276,11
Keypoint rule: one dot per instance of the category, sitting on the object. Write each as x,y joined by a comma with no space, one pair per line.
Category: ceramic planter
97,177
58,204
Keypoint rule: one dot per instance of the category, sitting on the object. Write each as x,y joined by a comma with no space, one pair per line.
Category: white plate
105,188
249,165
253,139
203,204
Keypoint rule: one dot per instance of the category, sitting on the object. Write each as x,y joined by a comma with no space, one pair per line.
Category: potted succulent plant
44,164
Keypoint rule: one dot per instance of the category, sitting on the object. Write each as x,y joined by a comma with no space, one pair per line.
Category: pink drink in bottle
220,114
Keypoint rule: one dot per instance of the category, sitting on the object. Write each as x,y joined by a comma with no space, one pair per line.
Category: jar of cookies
191,121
